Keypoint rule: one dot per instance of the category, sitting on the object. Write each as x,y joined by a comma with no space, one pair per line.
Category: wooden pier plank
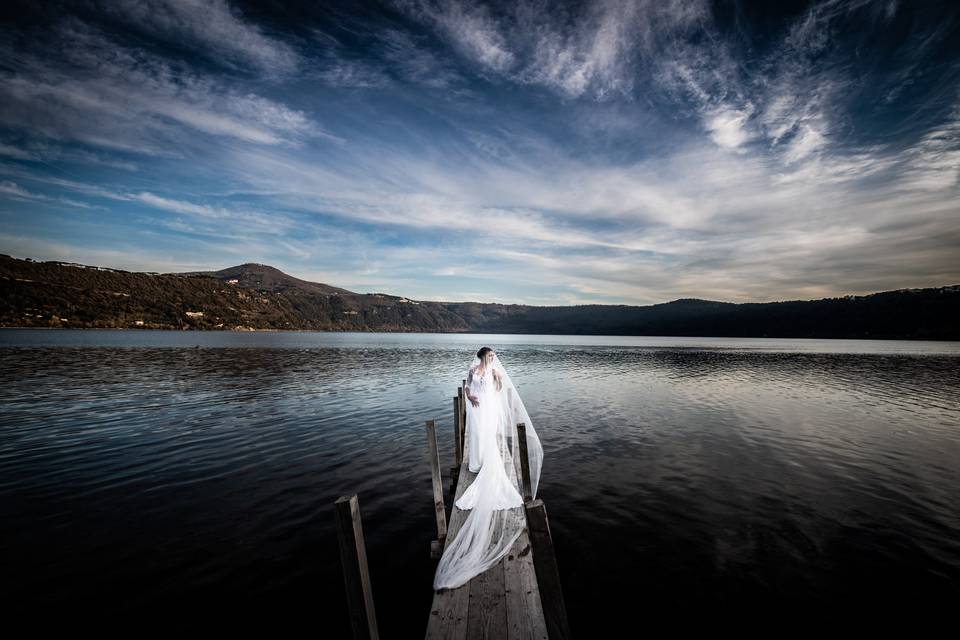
448,614
525,620
487,614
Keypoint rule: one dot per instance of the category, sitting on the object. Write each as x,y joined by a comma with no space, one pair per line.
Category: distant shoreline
253,298
594,335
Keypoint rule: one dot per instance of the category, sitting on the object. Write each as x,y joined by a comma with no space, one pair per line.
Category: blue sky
524,152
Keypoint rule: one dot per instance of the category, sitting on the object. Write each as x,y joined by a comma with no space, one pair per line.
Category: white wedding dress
482,432
494,500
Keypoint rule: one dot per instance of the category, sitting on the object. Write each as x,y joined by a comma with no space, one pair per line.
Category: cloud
414,62
13,190
129,257
12,151
227,218
786,99
96,191
37,151
808,139
109,96
214,27
392,58
608,50
353,74
727,127
934,162
588,49
471,28
219,219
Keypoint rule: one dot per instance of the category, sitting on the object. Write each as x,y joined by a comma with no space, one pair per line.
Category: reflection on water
194,473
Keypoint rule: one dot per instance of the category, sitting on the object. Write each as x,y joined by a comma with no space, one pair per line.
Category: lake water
175,478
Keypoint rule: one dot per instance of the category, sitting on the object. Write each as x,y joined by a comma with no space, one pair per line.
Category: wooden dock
506,601
518,598
502,602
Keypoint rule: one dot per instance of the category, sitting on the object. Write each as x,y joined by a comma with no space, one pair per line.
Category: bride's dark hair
483,351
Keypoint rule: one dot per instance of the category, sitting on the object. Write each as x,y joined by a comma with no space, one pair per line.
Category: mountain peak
254,275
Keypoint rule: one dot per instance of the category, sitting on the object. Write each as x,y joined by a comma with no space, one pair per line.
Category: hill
256,296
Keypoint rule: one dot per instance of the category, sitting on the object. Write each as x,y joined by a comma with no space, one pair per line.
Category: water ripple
169,476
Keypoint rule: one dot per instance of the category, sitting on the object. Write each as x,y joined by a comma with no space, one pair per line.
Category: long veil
496,518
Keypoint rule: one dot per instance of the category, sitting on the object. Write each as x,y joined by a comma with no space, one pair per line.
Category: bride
494,499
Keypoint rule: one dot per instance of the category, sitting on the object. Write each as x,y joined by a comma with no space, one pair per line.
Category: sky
541,153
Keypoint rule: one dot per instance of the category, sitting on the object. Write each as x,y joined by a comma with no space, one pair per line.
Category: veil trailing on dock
494,500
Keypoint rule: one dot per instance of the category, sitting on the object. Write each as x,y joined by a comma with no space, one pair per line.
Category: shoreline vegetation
257,297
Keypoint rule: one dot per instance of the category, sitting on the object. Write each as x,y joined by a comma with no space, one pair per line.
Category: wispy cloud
230,219
470,27
727,126
13,190
103,94
221,219
45,152
415,62
214,27
577,50
934,162
129,256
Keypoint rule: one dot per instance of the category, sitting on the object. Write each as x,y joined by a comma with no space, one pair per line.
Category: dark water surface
182,478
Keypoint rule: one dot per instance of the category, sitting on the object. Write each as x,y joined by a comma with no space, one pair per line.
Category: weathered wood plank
457,445
526,486
448,614
548,577
525,619
524,611
438,505
356,576
463,411
487,615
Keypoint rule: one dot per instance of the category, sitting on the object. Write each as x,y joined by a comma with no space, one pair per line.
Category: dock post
356,576
436,546
548,576
524,462
457,445
463,410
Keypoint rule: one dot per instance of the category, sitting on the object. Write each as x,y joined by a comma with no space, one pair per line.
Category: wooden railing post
524,462
356,576
548,576
436,546
463,410
457,444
